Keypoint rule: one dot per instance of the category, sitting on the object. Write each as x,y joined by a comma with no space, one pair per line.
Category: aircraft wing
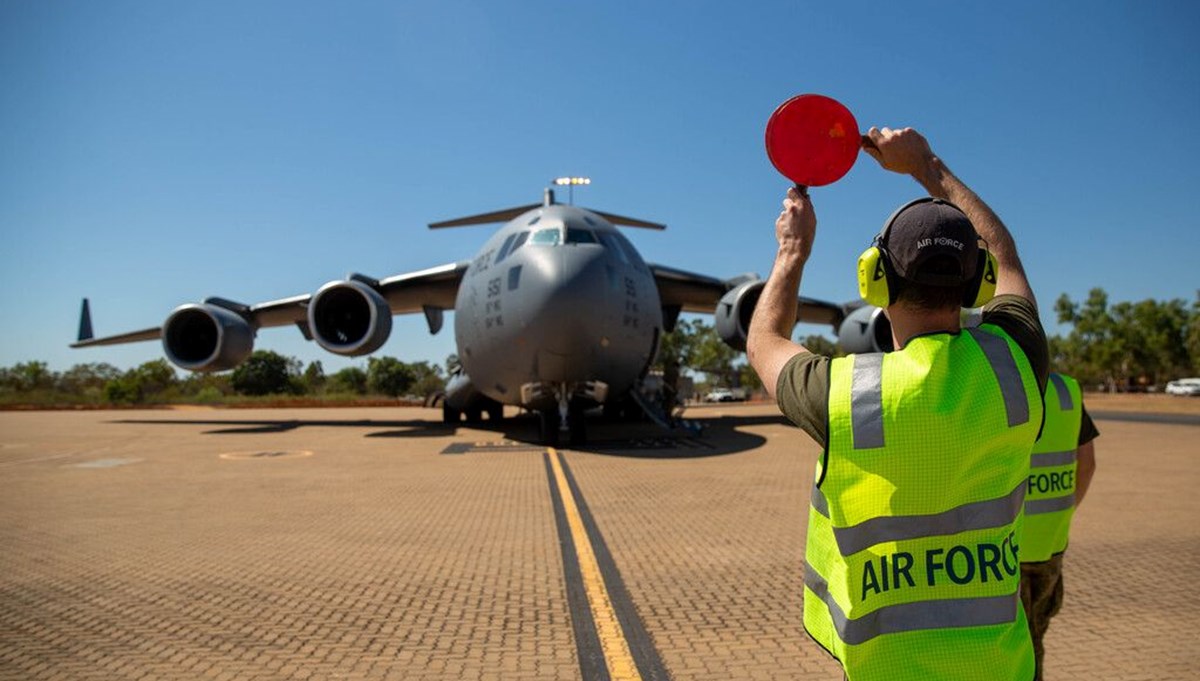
431,289
693,292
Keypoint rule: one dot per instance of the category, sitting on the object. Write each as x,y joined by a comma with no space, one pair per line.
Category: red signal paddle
813,140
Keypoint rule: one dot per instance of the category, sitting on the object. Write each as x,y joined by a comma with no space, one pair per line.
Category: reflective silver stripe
1039,506
951,613
1064,396
819,504
1052,459
1009,376
976,515
866,401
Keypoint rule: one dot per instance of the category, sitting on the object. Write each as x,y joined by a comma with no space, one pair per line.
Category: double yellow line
617,656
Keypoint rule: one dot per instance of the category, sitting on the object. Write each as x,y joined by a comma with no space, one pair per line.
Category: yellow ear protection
874,273
982,286
877,277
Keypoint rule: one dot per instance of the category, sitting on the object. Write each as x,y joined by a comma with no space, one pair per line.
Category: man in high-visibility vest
1061,468
912,562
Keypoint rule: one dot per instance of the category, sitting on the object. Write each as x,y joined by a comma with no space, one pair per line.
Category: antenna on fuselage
569,182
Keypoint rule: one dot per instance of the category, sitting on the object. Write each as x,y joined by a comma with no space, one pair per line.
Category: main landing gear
474,412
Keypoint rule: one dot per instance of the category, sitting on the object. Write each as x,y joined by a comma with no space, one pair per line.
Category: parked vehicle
1184,386
720,395
723,395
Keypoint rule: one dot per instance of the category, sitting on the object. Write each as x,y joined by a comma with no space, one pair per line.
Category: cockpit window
506,248
576,235
547,237
519,242
511,244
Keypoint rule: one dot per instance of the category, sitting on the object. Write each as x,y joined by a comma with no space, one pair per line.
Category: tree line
1126,346
264,373
1115,347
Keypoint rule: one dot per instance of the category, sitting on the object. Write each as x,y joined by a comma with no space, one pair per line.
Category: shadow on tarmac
721,435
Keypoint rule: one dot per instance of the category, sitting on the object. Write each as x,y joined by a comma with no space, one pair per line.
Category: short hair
928,296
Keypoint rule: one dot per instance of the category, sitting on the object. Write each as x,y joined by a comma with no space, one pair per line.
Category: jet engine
734,311
204,337
866,329
349,318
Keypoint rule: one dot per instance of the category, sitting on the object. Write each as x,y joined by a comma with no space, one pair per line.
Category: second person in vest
1061,468
912,562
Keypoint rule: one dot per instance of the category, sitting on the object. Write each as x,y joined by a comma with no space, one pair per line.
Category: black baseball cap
920,231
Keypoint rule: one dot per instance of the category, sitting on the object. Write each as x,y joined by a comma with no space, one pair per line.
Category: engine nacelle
349,318
734,311
202,337
866,329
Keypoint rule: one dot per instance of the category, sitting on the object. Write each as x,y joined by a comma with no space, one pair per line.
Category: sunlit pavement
379,544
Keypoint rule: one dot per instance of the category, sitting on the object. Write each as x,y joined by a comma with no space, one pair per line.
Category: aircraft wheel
450,415
474,415
548,427
495,411
578,425
613,411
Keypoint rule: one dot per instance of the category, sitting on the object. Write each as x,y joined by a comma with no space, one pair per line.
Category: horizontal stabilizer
485,218
628,222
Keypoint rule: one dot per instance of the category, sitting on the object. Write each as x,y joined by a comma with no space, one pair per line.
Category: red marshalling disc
812,139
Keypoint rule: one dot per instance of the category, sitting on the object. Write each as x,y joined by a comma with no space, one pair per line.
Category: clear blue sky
154,153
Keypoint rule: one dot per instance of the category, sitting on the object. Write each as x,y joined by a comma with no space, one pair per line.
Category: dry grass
1137,402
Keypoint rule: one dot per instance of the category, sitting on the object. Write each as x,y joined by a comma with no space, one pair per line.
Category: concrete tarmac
379,544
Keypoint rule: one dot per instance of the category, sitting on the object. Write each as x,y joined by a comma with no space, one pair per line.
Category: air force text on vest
960,564
1051,482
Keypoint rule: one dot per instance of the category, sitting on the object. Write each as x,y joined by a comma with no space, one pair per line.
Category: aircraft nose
566,297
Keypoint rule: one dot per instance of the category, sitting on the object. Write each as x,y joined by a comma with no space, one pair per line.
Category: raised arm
907,152
769,343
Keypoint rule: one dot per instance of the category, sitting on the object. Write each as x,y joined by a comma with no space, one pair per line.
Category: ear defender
982,287
873,277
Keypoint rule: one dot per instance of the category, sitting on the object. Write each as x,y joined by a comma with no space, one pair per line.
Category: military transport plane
557,313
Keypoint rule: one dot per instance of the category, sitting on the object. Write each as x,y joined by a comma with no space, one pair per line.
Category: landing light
572,181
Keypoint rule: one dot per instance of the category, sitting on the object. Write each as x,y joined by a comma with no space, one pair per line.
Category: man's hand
906,152
796,226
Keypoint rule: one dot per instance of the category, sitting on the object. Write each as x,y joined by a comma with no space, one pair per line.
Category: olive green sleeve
803,394
1019,319
1087,429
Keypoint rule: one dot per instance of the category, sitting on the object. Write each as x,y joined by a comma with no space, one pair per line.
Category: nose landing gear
564,416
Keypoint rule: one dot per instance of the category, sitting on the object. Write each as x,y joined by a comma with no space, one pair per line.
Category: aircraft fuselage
558,299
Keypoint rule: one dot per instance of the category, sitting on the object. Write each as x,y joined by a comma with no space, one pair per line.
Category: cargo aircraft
557,313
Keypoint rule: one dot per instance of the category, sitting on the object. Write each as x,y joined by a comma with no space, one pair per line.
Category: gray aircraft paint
565,312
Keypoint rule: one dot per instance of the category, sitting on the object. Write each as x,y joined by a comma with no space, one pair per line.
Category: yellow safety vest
912,564
1050,494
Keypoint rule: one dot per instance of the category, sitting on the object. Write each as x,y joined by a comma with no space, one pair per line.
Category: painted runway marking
267,454
500,446
105,463
610,637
